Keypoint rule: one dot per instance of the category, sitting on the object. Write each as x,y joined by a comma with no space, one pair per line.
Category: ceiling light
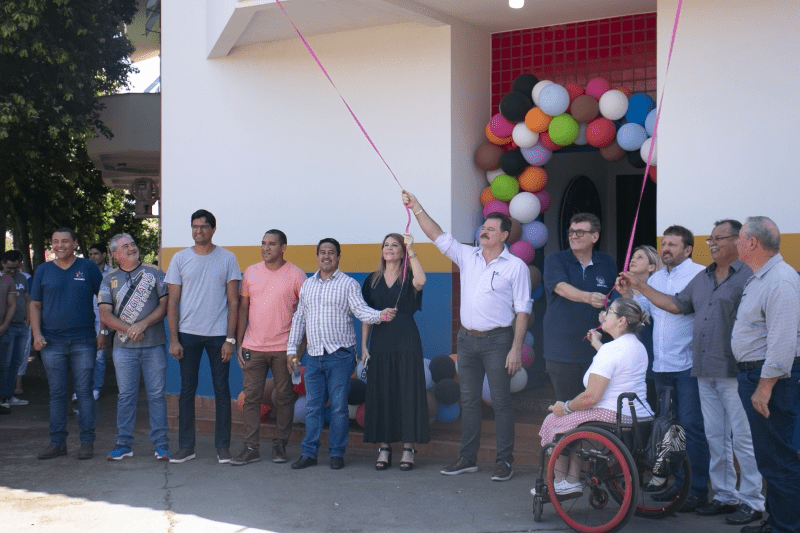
516,4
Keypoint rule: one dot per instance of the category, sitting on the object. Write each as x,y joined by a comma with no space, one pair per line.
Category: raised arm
428,225
657,298
413,261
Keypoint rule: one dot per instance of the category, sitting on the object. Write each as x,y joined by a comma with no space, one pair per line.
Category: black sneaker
462,466
183,455
224,455
86,451
502,471
248,455
52,452
744,515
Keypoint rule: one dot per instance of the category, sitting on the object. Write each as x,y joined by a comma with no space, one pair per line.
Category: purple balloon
495,206
535,233
537,155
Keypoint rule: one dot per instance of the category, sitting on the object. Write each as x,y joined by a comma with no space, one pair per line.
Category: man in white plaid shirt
328,301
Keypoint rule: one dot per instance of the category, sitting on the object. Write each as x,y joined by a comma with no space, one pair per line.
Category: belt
481,334
752,365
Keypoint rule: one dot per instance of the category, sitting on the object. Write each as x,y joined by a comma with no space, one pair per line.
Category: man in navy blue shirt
576,282
62,321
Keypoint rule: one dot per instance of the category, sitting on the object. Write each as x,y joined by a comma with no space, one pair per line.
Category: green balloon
564,129
504,187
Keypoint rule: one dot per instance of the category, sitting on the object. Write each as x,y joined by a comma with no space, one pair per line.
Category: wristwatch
231,340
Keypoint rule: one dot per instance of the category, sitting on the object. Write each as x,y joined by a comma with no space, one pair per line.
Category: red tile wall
620,49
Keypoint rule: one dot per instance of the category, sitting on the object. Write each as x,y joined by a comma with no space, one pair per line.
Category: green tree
57,57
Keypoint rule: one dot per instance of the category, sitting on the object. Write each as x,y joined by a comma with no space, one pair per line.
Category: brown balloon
516,232
487,156
536,276
584,108
613,152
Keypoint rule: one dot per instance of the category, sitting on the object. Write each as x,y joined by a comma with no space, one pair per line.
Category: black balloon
524,83
513,163
358,392
447,392
515,105
635,159
442,367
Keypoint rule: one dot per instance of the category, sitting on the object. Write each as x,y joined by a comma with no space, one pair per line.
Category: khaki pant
253,375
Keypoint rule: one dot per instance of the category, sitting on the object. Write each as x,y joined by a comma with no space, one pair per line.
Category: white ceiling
328,16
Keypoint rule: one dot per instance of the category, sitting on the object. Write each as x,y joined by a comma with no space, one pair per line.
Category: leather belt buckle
475,333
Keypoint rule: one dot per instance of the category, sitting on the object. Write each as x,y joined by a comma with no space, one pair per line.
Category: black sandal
405,465
383,465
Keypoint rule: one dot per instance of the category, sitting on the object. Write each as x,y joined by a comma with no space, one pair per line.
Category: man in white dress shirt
495,304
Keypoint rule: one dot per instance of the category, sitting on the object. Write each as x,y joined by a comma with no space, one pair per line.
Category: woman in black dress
396,407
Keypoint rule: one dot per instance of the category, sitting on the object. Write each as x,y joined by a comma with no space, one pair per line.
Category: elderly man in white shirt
672,365
495,304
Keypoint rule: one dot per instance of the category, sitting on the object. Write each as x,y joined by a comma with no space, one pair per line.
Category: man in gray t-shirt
133,302
203,303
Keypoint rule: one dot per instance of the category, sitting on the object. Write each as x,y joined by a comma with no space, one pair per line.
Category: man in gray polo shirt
766,344
203,306
713,295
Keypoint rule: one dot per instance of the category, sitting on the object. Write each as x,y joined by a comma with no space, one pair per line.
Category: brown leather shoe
279,453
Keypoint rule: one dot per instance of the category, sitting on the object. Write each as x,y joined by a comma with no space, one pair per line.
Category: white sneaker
16,401
565,487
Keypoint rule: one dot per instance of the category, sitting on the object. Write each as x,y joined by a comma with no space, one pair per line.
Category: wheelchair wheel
538,503
606,469
647,507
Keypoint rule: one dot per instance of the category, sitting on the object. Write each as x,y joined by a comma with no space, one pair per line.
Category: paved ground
143,495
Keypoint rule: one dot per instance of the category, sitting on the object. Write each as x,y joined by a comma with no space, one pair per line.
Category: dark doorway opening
629,186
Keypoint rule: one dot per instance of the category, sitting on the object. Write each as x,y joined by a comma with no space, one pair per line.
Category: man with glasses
133,302
202,311
495,304
766,345
15,341
713,296
576,282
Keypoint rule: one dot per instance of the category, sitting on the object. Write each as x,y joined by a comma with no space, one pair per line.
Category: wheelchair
613,473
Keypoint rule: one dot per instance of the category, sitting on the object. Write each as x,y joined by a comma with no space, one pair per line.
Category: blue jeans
328,376
58,356
476,357
772,442
152,364
20,339
686,401
99,370
193,346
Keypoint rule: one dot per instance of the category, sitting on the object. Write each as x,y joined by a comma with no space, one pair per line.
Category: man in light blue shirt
672,365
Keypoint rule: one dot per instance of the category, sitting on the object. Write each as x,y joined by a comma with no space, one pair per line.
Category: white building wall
261,139
727,138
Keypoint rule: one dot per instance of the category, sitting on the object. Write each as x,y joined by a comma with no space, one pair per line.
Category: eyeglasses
578,232
717,240
605,313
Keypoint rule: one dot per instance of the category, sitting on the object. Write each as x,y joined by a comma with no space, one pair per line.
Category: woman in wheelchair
619,366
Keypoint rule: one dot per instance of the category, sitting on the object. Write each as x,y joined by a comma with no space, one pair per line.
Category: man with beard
133,302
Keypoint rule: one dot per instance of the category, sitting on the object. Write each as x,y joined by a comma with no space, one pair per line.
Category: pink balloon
500,126
527,356
544,199
524,250
495,206
596,87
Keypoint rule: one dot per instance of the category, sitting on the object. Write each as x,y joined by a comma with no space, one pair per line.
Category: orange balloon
537,120
533,179
624,91
494,139
487,196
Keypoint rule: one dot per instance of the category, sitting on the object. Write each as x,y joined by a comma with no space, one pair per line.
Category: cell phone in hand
246,355
364,372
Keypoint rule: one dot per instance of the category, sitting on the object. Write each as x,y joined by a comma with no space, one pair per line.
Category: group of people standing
726,337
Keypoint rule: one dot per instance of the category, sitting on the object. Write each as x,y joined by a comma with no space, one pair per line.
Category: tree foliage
57,57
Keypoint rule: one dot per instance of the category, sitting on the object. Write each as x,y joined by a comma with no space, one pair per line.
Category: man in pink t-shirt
268,298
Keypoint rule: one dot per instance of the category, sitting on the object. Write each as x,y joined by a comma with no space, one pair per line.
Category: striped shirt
767,326
324,313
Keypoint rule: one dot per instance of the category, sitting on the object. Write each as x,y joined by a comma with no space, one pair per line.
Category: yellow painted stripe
790,249
355,257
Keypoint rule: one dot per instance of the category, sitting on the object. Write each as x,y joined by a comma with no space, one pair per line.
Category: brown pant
254,375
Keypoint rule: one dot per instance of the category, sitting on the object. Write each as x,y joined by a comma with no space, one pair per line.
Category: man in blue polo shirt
576,282
62,321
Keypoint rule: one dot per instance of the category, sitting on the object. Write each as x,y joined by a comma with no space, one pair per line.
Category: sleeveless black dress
396,407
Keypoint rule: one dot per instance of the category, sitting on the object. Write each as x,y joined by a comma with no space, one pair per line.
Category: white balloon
524,137
650,121
525,207
613,104
645,151
519,380
554,100
537,89
581,140
492,174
